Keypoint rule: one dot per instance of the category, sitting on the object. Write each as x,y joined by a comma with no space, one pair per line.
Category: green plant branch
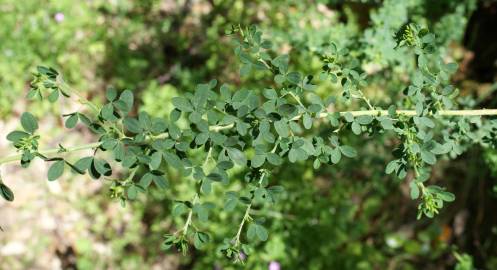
480,112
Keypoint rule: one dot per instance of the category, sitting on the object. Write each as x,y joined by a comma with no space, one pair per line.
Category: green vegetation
256,134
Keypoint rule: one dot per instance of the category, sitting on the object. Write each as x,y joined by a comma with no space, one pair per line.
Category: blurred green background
350,216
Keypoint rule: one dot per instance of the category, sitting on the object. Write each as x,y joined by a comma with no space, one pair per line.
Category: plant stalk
17,157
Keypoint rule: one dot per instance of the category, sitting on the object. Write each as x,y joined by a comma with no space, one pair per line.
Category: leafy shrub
240,143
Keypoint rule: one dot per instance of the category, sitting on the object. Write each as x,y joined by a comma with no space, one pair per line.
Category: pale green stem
17,157
190,214
246,216
240,228
195,197
480,112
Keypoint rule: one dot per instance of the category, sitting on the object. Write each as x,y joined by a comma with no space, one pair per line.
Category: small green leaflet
56,170
29,122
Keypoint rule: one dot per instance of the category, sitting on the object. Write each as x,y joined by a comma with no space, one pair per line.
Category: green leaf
206,186
391,167
160,181
84,163
451,67
201,211
251,231
132,192
279,79
315,108
132,125
29,122
225,165
102,167
447,196
144,120
16,136
293,155
274,159
336,155
200,239
237,156
257,230
111,94
316,164
287,109
201,93
356,128
242,127
365,119
419,108
216,177
6,192
348,117
179,209
441,149
307,121
230,203
281,62
428,157
56,170
109,143
240,96
392,111
127,99
182,104
159,125
245,69
108,112
72,121
54,95
258,160
414,190
348,151
172,160
201,138
294,77
195,117
146,180
427,122
270,93
387,123
155,160
281,127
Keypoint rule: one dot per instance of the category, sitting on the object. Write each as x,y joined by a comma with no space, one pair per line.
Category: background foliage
349,216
